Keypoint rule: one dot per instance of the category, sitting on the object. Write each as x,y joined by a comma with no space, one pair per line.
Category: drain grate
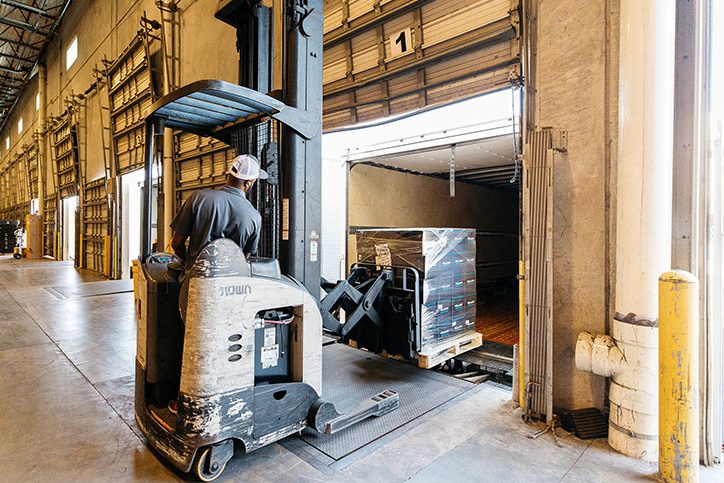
588,423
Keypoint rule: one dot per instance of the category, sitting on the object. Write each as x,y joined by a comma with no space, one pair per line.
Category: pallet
450,349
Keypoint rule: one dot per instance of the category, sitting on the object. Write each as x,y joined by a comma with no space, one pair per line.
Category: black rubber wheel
17,256
202,470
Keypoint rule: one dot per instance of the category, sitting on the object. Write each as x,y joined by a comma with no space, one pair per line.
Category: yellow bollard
678,377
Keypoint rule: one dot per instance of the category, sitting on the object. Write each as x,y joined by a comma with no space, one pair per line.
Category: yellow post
678,377
521,333
107,250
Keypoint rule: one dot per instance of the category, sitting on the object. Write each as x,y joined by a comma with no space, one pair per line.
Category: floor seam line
73,364
575,462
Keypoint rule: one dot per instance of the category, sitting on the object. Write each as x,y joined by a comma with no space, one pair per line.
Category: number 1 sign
401,43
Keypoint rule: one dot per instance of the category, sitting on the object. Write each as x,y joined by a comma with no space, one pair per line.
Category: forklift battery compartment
272,342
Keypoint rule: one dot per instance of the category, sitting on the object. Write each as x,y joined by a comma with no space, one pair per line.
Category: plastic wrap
445,258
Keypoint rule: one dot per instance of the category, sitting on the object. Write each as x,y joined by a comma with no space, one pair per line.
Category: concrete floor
66,409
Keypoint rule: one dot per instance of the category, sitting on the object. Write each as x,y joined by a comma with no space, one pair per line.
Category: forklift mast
297,204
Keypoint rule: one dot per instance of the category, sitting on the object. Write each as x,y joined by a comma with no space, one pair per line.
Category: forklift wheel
17,256
202,470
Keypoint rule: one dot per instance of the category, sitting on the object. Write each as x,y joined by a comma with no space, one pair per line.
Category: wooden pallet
450,349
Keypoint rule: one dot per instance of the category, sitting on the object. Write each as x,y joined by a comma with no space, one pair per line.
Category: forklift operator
224,213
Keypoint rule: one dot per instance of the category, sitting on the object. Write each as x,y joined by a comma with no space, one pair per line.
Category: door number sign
401,43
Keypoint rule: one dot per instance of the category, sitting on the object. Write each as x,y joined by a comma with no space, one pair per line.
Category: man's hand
178,243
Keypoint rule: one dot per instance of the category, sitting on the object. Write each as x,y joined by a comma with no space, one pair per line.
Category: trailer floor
66,392
497,318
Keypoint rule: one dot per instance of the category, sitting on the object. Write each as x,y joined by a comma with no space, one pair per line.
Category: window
37,101
72,53
7,143
20,125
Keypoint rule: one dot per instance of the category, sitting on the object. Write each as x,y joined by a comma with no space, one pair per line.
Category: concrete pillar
643,214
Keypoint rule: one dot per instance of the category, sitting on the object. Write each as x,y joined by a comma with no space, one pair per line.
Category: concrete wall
380,197
576,91
104,28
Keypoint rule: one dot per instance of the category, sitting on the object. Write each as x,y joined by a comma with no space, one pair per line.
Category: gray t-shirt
212,214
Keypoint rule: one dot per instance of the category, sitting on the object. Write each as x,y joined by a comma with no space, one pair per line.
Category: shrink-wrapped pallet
445,259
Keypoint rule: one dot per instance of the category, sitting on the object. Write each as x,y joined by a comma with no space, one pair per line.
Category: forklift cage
216,109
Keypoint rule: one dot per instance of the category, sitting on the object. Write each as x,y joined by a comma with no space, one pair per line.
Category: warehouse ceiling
26,27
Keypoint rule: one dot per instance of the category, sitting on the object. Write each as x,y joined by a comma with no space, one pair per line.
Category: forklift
245,366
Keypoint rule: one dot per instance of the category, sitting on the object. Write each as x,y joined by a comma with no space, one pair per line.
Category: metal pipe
21,25
521,333
12,71
18,43
643,227
42,113
27,8
17,58
678,377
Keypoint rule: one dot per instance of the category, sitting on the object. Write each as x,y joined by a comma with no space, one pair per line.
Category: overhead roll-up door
202,163
18,189
49,217
64,138
96,208
130,93
385,58
4,194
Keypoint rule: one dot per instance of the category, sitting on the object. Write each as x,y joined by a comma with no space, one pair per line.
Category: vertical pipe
678,377
643,216
521,333
42,113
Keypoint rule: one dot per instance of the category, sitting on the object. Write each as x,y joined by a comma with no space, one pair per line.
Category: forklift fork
357,301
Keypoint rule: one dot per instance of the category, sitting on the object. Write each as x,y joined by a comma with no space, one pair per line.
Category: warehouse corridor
67,350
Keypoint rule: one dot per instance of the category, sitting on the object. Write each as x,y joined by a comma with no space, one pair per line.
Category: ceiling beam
21,25
27,8
19,43
11,71
15,57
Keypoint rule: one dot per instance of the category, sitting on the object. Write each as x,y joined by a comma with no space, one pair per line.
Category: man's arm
178,243
182,225
252,243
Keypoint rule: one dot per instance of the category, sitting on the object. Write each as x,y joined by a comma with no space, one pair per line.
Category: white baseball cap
246,167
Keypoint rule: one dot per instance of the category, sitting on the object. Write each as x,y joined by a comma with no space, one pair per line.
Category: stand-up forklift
246,366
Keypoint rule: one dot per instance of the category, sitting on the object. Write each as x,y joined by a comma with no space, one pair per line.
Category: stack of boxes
445,258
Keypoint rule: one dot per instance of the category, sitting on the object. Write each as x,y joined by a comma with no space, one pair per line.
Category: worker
224,213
